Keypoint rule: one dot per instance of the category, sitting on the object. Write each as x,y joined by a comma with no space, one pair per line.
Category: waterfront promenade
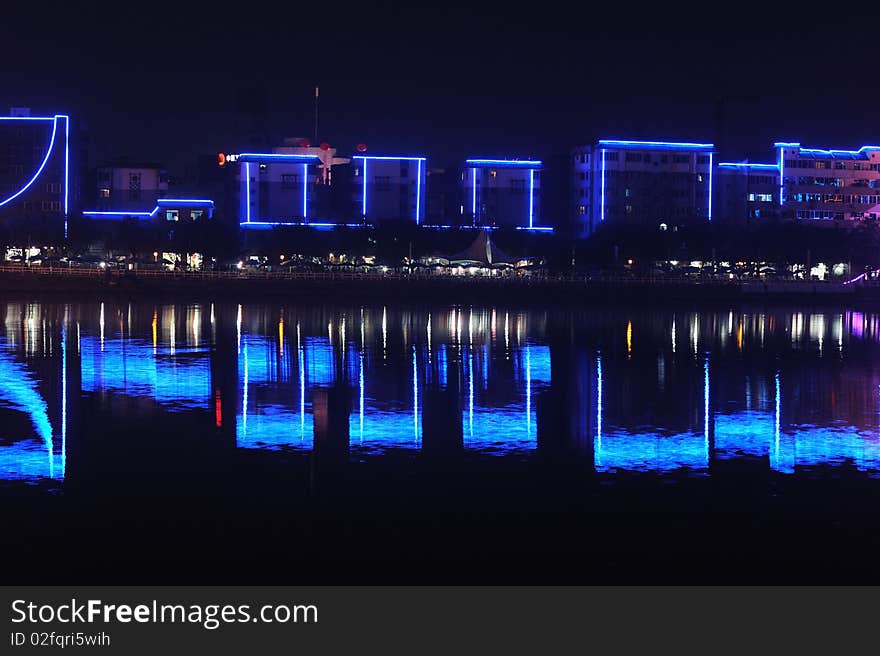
420,285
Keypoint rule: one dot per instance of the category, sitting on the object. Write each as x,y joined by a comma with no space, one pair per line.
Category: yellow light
629,338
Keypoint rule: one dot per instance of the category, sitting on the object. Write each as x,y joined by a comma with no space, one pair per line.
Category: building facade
828,185
501,193
35,180
647,183
746,192
388,188
132,186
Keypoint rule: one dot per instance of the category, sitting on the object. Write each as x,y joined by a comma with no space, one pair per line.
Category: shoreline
417,287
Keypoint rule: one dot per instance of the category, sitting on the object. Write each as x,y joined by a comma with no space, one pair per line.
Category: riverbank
419,286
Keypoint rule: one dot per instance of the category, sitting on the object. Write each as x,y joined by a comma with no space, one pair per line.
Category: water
110,405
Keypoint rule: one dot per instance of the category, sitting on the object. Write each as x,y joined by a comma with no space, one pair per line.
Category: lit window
104,193
196,214
171,215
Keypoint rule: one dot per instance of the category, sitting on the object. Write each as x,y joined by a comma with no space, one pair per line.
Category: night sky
159,80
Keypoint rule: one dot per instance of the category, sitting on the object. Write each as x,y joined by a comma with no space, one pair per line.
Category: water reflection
653,391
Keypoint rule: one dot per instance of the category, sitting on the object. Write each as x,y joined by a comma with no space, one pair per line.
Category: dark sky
158,80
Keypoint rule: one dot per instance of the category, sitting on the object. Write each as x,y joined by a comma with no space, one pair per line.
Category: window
518,186
289,181
196,214
263,168
53,187
611,157
633,157
582,209
681,159
493,173
104,192
171,215
383,183
702,159
134,186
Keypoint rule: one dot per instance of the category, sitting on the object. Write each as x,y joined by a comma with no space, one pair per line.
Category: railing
526,279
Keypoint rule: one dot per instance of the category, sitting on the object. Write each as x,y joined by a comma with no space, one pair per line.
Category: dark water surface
281,443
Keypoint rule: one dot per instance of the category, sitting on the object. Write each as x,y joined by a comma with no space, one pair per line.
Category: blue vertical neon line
603,185
247,182
244,403
418,189
781,172
474,201
531,196
471,392
364,211
710,185
305,191
66,171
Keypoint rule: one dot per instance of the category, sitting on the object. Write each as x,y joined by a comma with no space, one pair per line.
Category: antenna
316,115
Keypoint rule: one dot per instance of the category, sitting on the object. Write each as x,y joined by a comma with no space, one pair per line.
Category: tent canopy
483,251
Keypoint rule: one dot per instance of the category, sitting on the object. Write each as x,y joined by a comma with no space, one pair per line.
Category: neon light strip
160,203
781,178
388,157
603,184
746,165
247,177
364,209
39,170
710,185
655,144
531,198
278,157
66,171
185,201
305,191
303,224
474,201
502,162
536,228
418,190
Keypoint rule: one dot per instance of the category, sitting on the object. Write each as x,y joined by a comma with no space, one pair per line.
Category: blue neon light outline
508,163
603,185
302,224
305,191
531,197
160,204
388,157
418,189
474,201
66,172
247,200
364,199
42,165
278,157
781,178
536,228
710,185
746,165
670,145
28,118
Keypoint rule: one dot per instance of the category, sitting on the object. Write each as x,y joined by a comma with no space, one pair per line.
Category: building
646,183
389,188
580,189
295,184
35,173
839,185
746,192
502,193
124,185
